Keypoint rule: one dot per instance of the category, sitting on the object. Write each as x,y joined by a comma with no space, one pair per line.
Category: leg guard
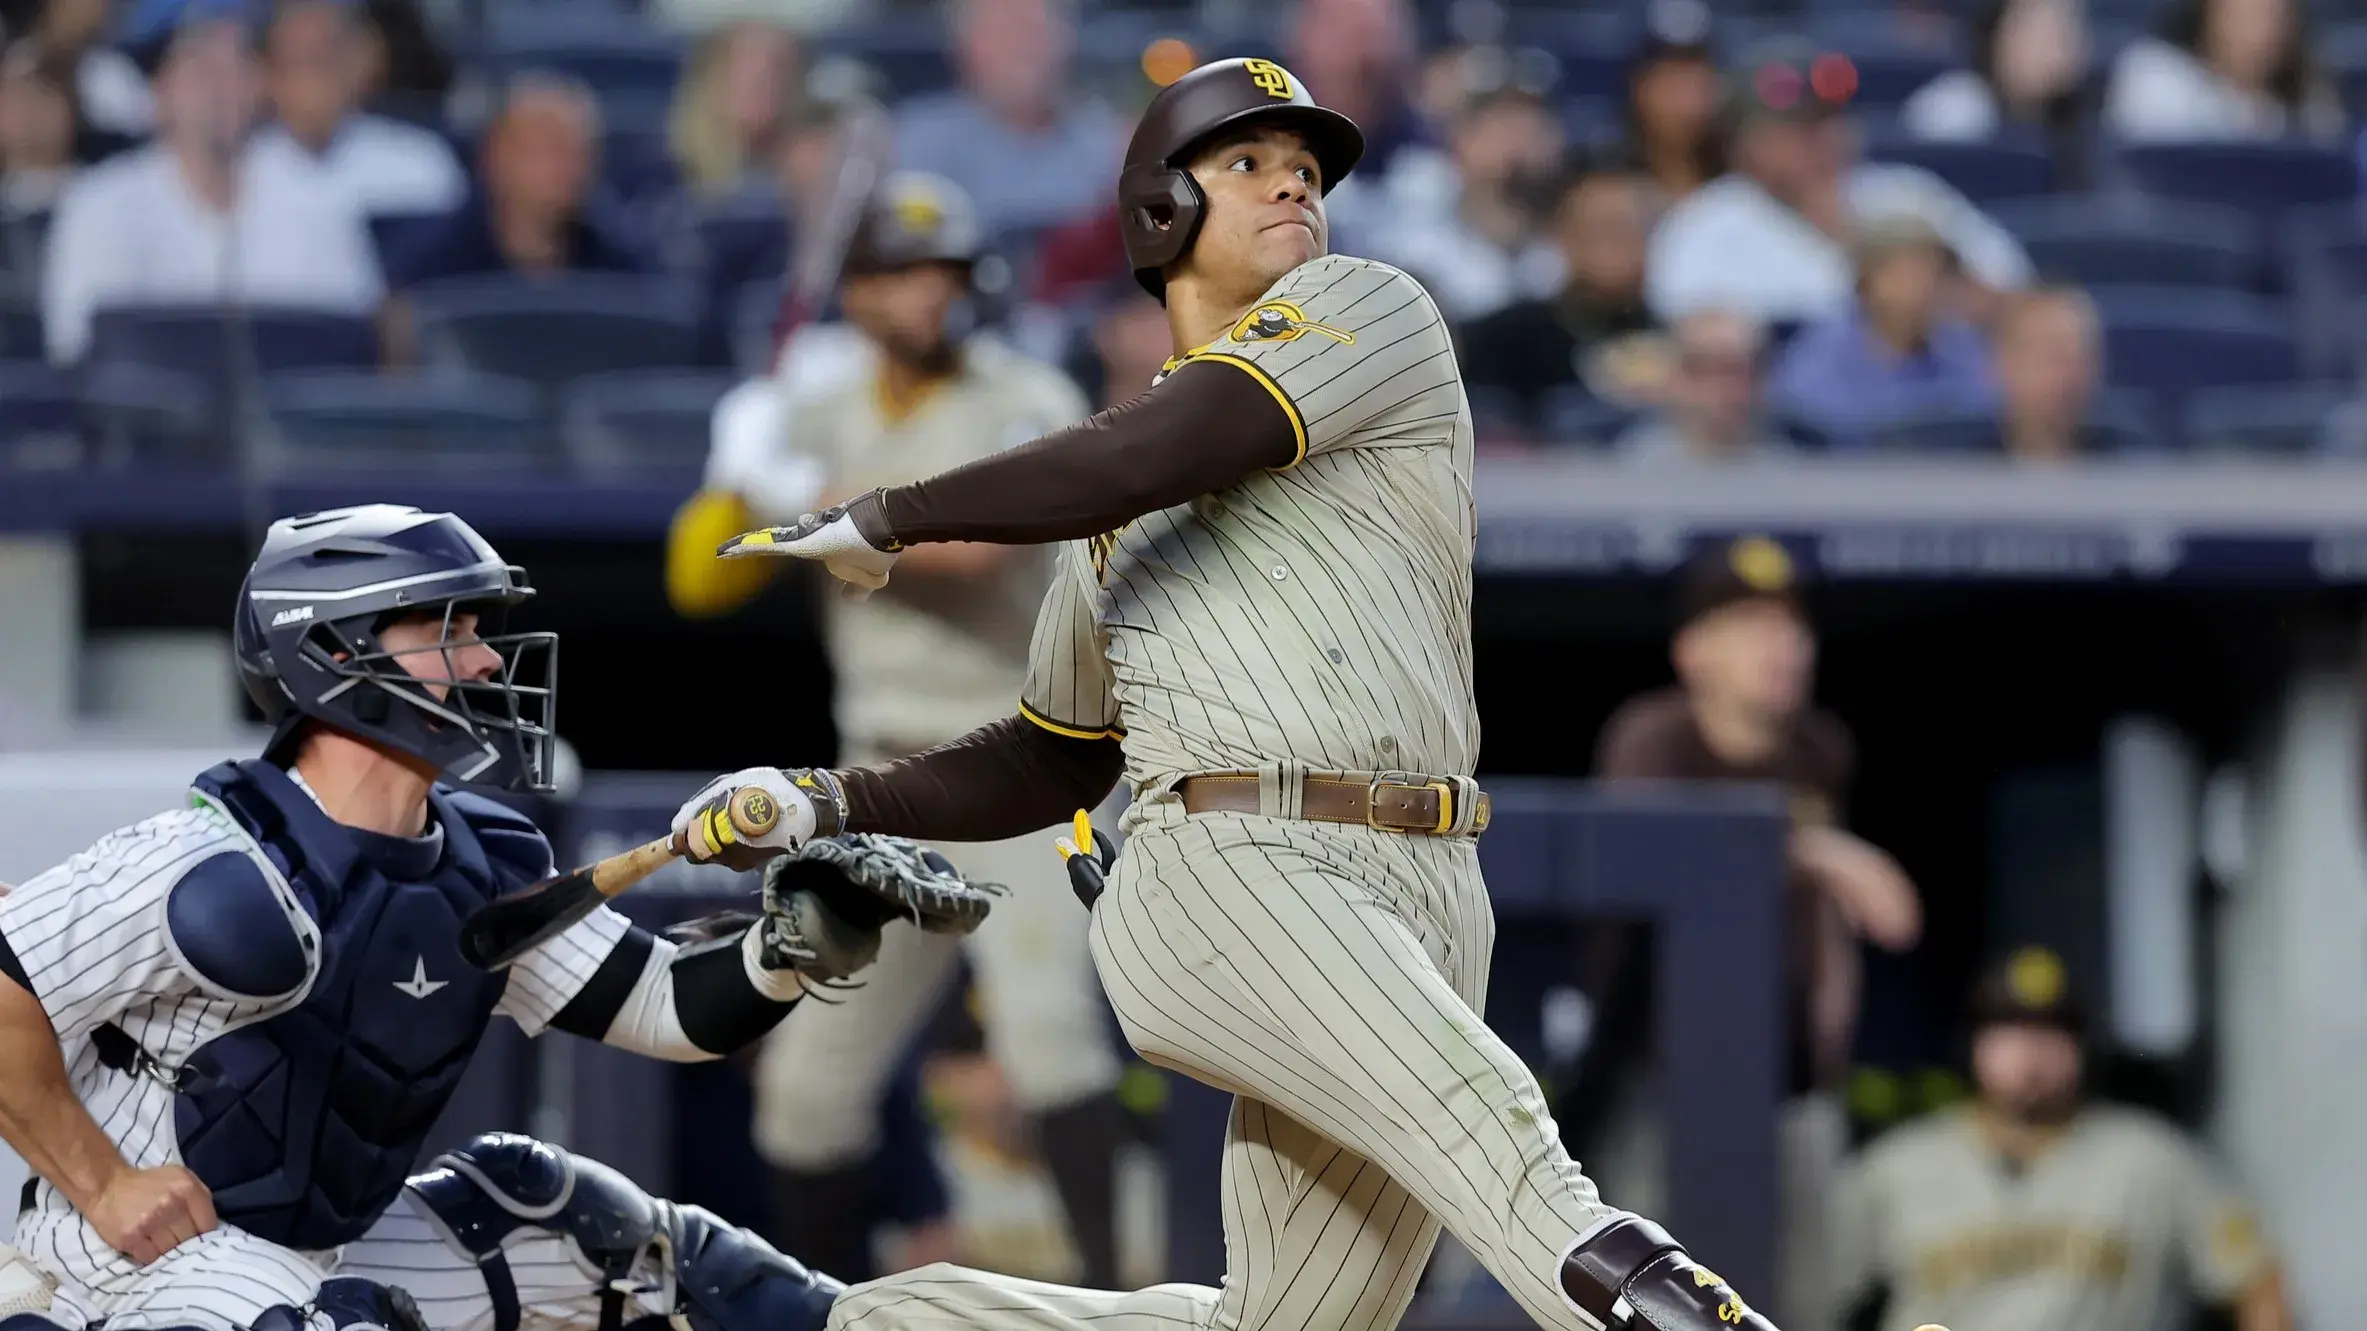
713,1276
28,1322
1627,1272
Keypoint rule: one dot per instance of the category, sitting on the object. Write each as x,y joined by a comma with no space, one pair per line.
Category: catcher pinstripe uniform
1264,617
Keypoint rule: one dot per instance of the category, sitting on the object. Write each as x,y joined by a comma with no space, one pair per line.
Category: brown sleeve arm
997,782
1199,430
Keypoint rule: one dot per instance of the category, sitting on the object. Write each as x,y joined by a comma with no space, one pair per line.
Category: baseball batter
229,1029
936,655
1263,619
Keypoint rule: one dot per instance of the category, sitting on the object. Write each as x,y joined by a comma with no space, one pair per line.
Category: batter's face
2027,1073
1265,210
905,311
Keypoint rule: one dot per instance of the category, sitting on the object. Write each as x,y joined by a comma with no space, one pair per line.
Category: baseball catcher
229,1029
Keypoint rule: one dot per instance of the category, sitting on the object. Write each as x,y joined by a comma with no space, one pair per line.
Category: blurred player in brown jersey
1745,657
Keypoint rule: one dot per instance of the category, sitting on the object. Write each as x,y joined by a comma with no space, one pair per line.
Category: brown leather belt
1393,802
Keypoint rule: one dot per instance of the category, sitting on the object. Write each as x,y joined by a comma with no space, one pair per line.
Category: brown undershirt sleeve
1198,431
999,781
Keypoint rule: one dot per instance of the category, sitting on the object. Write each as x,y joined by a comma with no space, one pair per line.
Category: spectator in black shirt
1583,336
533,212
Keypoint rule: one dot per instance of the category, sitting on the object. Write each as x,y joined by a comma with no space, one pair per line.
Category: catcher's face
418,643
1265,209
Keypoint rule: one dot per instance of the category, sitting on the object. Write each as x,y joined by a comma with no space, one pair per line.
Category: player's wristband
829,797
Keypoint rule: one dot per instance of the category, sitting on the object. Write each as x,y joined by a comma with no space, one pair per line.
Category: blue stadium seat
1591,48
135,412
2123,417
656,419
2096,244
20,328
394,235
2172,341
555,331
1572,415
334,418
212,343
40,417
2268,179
755,311
2284,419
2324,256
1983,172
614,59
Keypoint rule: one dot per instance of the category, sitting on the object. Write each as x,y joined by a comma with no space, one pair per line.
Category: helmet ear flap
1162,208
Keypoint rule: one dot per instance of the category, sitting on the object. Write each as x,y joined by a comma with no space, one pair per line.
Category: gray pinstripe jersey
1318,612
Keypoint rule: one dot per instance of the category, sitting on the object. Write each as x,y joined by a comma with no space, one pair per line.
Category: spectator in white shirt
195,218
2222,69
1770,238
1018,137
315,55
2030,70
1471,223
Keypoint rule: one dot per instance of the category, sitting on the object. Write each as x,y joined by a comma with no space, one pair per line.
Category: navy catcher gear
307,639
721,1278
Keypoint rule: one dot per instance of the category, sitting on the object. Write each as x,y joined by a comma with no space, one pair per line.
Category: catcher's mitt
825,903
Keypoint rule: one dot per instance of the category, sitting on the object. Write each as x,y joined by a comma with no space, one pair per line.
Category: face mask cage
497,727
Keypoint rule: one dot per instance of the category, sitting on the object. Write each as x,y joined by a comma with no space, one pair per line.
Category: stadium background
2105,703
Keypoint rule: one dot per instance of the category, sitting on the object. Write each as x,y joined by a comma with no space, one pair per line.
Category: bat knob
754,811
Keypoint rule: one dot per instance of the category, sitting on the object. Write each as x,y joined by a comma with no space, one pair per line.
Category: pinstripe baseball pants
1331,978
223,1279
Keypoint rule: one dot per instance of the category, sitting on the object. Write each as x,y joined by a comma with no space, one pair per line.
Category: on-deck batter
1267,608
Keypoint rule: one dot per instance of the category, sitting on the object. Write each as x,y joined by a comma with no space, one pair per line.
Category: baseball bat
505,929
866,138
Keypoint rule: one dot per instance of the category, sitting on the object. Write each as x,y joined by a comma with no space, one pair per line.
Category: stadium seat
40,417
1572,415
2124,419
1983,172
2095,244
215,344
20,328
615,59
656,419
395,235
2172,341
139,413
555,331
2281,419
335,418
2267,179
2323,252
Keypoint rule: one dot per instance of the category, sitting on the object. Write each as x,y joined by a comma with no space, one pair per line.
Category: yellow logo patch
2035,977
918,212
1281,321
1271,79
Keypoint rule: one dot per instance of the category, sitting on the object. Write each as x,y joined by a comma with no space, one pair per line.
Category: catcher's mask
1160,206
308,642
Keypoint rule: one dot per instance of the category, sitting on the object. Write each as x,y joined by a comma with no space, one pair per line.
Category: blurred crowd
2038,230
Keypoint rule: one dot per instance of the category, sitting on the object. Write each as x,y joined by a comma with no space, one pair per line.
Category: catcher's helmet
914,218
1160,206
306,638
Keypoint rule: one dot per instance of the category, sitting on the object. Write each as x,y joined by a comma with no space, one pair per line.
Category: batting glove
810,802
849,539
1089,858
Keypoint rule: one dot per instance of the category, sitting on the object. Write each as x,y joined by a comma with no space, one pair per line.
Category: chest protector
305,1122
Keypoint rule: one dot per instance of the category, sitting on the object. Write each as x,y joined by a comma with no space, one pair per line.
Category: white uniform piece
1310,620
90,934
925,661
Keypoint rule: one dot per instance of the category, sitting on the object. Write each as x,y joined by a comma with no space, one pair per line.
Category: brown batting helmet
914,218
1160,206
